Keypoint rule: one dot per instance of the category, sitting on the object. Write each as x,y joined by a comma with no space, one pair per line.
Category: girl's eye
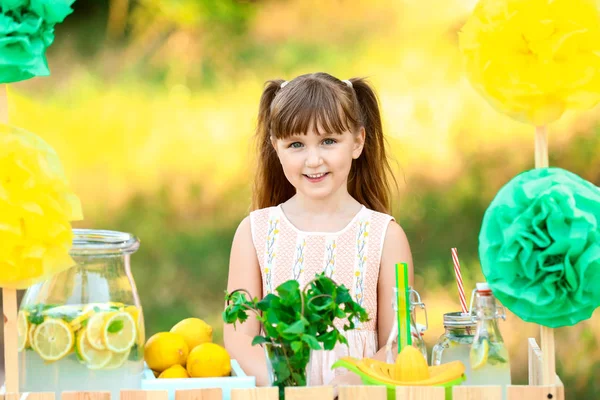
329,141
295,145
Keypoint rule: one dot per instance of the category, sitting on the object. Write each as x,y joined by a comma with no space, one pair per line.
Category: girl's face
318,165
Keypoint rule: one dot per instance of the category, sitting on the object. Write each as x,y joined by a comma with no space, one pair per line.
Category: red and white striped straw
459,282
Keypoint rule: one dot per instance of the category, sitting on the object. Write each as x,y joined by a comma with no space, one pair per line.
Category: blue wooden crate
237,380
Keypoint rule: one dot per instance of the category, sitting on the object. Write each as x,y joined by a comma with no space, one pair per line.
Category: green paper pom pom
539,247
26,31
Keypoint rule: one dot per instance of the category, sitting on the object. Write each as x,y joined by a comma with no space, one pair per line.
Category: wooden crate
237,380
533,391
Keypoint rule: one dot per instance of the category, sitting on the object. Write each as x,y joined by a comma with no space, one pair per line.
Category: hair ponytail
369,180
270,183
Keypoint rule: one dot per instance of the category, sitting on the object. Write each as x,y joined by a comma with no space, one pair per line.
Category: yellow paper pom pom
36,207
534,59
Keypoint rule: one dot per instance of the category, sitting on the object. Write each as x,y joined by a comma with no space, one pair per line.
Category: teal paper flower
26,30
539,247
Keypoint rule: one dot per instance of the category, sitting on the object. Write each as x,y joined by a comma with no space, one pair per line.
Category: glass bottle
416,330
489,361
83,329
455,343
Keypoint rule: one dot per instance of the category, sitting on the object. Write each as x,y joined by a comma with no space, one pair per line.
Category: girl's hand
348,379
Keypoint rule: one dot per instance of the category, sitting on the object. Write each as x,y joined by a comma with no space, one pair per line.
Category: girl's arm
395,250
244,273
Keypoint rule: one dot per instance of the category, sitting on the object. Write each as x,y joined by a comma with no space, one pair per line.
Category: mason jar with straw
455,343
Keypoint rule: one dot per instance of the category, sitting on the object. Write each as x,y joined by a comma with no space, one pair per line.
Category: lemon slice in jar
32,330
95,359
137,318
134,312
81,318
479,355
23,330
119,332
94,331
117,360
53,339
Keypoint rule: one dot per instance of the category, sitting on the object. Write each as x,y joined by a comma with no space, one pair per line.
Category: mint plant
295,321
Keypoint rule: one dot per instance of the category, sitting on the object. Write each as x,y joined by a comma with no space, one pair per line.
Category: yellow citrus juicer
410,369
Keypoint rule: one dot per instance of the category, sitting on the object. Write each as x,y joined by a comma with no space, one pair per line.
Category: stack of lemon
187,351
102,336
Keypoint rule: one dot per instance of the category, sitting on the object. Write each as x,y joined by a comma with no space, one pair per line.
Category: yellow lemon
77,323
138,318
23,330
165,349
32,330
411,366
95,331
194,331
176,371
479,355
134,312
119,332
208,360
117,360
53,339
94,358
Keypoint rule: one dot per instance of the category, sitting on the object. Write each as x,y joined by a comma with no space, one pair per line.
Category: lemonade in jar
83,329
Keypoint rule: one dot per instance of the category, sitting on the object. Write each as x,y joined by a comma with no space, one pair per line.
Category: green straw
402,299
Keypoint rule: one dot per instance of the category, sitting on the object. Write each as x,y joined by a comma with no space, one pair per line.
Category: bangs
312,105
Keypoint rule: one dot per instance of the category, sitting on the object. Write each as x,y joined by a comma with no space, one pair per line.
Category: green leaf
296,347
329,339
268,302
259,340
295,328
311,341
35,318
115,326
135,353
288,288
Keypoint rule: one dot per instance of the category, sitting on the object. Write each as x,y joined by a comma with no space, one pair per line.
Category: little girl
321,203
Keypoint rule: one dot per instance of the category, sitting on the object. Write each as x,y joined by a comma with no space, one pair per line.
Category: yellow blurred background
152,104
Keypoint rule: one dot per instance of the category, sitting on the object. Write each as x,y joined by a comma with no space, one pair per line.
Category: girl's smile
315,178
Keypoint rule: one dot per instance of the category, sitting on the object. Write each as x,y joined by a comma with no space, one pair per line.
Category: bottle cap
458,320
483,289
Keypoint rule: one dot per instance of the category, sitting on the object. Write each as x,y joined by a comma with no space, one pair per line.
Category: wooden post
309,393
260,393
30,396
199,394
477,393
362,393
541,147
144,395
9,302
420,393
546,334
535,362
11,353
85,396
552,392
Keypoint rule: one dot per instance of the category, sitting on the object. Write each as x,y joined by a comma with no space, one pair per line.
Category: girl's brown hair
323,102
